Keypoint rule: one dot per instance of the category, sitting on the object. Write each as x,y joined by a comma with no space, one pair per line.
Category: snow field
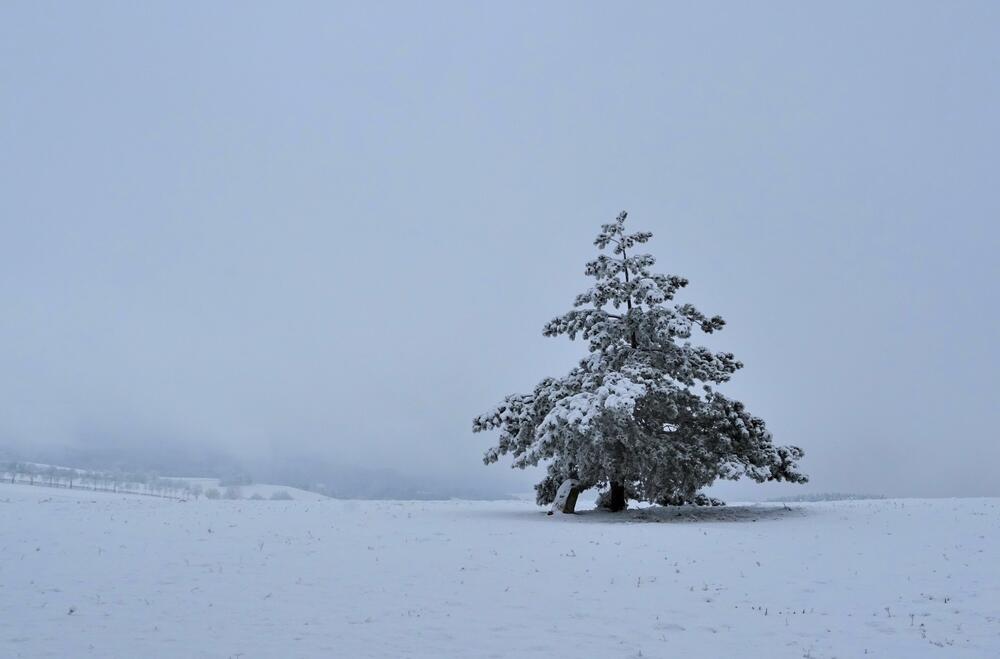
101,575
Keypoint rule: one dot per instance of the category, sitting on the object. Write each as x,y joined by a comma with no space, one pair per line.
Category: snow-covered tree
640,415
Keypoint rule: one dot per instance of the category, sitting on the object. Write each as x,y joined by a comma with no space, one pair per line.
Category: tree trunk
617,502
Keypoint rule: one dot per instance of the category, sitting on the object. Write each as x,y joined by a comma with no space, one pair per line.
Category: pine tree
639,415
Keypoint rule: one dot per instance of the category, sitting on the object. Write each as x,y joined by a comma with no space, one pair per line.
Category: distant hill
828,496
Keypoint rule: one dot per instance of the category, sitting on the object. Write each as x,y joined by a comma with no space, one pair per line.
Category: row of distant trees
144,483
98,481
235,492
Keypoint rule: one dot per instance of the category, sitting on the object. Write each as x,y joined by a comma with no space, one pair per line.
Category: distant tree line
144,483
125,482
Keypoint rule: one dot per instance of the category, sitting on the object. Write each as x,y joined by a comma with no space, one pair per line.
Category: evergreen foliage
640,414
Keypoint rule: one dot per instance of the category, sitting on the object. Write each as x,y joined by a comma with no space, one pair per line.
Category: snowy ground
256,489
92,574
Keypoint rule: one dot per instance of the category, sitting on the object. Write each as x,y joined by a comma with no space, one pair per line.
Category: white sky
337,230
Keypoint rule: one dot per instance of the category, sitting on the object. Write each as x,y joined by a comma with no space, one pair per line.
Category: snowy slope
99,575
260,489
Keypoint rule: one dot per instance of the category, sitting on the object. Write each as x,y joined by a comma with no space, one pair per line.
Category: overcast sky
336,230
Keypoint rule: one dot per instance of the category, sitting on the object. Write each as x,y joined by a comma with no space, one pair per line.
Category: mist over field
253,238
720,280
